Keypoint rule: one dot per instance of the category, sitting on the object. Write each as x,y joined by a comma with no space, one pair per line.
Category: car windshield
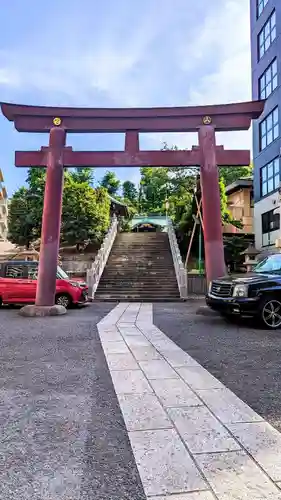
271,264
61,274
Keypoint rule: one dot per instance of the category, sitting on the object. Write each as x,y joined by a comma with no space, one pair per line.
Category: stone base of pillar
32,311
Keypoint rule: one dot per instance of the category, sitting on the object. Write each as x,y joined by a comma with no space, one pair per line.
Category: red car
18,282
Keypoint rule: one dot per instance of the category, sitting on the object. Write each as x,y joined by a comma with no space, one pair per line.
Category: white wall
269,203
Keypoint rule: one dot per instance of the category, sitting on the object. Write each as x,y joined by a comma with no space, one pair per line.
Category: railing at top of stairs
96,270
180,270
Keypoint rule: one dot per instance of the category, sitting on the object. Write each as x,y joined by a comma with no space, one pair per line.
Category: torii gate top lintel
224,117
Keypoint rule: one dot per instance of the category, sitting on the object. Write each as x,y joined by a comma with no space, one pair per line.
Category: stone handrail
96,270
180,270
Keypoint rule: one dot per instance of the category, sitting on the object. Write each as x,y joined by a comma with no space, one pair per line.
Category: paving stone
155,369
143,411
235,476
165,345
200,495
122,362
228,407
115,347
174,392
130,381
110,336
121,324
164,464
199,378
145,353
263,442
179,358
136,340
201,431
129,330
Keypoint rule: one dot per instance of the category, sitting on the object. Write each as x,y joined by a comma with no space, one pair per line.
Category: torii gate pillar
209,180
51,220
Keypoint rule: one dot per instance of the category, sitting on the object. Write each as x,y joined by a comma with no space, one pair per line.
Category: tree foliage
110,182
21,224
85,214
83,174
130,192
232,174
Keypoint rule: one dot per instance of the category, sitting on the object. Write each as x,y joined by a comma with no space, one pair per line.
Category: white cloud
224,40
158,55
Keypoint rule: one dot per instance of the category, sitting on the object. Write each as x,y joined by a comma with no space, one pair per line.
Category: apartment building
266,78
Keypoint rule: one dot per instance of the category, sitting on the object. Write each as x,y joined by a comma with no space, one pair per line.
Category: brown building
241,206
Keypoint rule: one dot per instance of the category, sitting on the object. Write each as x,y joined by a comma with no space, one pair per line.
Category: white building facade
266,79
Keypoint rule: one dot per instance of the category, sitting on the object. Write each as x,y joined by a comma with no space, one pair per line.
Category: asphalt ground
62,432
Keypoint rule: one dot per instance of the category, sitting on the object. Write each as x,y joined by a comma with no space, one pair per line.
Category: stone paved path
192,438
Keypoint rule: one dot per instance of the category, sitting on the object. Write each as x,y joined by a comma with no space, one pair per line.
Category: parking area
246,359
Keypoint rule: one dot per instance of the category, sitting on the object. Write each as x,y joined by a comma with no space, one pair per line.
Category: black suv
256,294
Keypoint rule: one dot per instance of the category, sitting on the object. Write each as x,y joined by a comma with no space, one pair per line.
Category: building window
270,177
269,129
261,5
270,222
267,34
268,80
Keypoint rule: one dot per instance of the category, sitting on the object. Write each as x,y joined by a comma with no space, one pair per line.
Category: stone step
130,273
147,281
139,289
140,268
142,291
120,270
125,298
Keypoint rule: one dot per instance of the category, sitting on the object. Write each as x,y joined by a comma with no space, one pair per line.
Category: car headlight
240,291
210,286
74,283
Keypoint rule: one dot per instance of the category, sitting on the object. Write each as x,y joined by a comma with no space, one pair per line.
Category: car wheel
271,312
63,299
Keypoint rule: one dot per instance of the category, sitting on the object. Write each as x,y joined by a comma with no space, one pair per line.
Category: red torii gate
206,120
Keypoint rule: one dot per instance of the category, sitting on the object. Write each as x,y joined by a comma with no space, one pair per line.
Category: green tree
85,214
130,192
21,224
35,180
232,174
83,174
110,182
154,189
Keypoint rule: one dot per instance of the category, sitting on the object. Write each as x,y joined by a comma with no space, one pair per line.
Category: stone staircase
140,267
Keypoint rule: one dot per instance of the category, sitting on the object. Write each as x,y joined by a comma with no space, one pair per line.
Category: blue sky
117,53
